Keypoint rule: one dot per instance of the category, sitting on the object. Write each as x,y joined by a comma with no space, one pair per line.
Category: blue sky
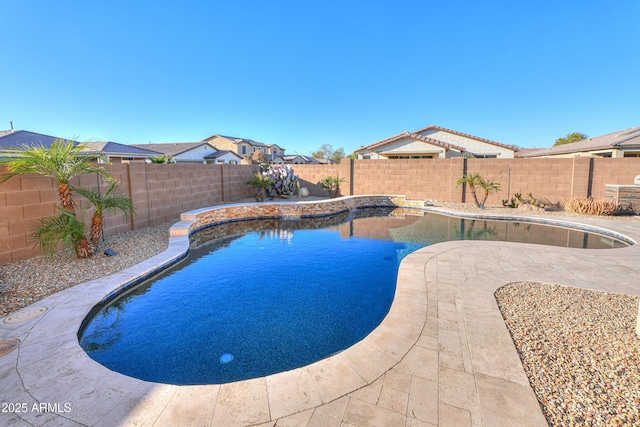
302,74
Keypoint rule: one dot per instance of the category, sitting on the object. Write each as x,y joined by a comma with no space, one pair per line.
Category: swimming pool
272,295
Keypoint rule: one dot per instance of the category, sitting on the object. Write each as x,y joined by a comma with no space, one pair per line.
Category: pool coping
49,362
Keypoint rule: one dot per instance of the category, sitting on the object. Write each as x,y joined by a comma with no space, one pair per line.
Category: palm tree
62,161
475,181
64,228
110,201
488,187
472,181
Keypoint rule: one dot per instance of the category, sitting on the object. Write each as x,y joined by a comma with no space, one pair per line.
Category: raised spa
272,295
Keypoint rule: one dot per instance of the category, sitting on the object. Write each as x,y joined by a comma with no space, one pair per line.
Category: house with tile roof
299,159
110,152
245,147
435,142
623,143
193,152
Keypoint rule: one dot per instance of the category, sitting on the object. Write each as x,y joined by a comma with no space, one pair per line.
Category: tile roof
627,138
19,138
466,135
115,148
220,153
433,141
413,135
290,157
238,140
172,148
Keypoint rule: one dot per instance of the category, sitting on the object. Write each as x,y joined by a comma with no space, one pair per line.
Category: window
244,149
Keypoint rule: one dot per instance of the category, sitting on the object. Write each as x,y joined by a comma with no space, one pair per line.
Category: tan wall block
12,184
29,197
25,252
12,243
35,182
22,227
40,210
5,258
11,213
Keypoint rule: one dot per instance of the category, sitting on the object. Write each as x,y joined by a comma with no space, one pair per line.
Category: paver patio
442,357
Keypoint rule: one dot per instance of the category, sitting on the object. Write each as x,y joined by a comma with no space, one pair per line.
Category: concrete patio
442,357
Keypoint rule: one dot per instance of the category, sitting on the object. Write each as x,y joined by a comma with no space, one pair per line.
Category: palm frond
111,201
62,161
65,229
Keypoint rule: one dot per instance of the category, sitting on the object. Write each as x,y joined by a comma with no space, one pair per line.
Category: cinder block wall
161,192
311,175
620,171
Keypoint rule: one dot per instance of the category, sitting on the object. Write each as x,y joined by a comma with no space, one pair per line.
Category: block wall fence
161,192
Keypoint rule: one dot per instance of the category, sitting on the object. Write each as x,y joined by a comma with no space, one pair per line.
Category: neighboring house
223,156
245,147
325,161
623,143
193,152
299,159
435,142
111,152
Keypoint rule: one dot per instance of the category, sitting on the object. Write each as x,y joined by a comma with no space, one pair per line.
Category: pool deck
442,356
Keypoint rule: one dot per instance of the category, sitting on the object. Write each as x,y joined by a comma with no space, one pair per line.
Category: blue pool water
274,295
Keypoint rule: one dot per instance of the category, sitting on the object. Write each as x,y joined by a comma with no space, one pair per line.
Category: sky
301,74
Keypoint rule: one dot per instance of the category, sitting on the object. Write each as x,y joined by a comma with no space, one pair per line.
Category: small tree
163,159
110,201
326,151
475,181
472,181
259,157
571,137
488,187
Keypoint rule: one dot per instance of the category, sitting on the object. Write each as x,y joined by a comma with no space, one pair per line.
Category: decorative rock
579,350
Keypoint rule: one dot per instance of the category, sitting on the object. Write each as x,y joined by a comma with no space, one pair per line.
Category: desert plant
475,181
111,201
62,161
488,187
530,201
284,181
65,229
165,159
332,185
513,204
590,206
261,184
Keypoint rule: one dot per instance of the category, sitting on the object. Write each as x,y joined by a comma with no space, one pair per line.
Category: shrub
590,206
332,185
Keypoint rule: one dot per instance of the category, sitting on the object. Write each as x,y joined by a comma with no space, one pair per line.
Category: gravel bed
25,282
579,350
